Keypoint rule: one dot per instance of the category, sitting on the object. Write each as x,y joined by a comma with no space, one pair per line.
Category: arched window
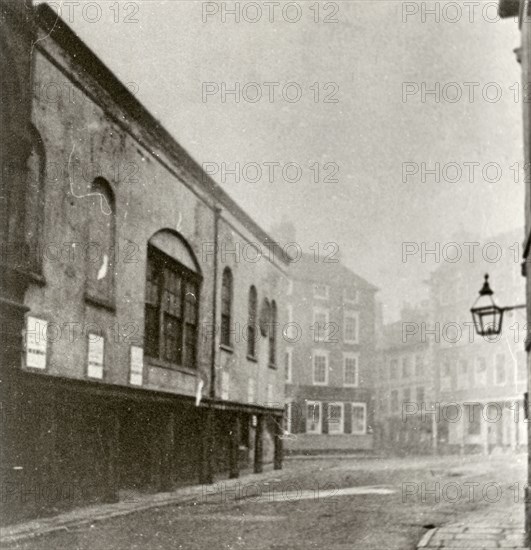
265,317
226,306
34,215
171,302
273,335
100,247
251,322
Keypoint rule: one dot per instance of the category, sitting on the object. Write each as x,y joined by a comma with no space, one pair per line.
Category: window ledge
252,359
160,363
228,349
100,302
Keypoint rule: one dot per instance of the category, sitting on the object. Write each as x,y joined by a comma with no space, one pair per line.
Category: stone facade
135,370
330,357
406,375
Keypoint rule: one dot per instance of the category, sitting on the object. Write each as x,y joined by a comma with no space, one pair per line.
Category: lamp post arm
510,308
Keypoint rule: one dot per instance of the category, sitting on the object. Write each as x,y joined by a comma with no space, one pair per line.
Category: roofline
307,277
69,41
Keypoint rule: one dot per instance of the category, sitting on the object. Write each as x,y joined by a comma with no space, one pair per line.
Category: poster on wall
137,366
36,343
95,356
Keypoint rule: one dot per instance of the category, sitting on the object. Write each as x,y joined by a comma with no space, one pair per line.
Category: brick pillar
259,445
112,444
279,443
48,436
235,447
206,476
167,444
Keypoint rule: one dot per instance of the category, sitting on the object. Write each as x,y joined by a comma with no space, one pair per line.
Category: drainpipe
217,212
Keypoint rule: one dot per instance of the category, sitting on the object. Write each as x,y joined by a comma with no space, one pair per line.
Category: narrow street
323,503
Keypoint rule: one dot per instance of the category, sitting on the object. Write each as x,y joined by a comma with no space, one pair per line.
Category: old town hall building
150,350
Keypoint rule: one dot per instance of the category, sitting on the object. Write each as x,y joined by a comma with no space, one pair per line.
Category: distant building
481,382
330,357
442,387
406,376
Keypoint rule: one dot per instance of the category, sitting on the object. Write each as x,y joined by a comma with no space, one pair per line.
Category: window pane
152,284
226,305
252,304
225,330
170,294
319,373
152,308
190,303
273,335
251,322
351,370
172,339
313,419
350,334
189,346
151,331
226,292
251,340
358,419
335,418
172,301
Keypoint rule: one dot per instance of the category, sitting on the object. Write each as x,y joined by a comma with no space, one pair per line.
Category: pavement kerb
93,514
425,540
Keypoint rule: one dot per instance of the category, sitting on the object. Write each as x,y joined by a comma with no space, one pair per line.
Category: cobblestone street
328,502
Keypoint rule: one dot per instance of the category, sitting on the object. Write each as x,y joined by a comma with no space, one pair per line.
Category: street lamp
487,316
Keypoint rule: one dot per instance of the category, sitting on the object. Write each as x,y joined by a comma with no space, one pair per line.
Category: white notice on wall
95,355
224,385
137,366
35,340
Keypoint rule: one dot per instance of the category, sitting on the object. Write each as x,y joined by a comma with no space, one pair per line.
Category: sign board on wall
137,366
96,345
36,343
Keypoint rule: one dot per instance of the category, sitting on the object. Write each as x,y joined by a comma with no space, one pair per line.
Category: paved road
331,503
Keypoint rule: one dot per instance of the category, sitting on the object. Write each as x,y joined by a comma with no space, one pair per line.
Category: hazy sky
169,52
